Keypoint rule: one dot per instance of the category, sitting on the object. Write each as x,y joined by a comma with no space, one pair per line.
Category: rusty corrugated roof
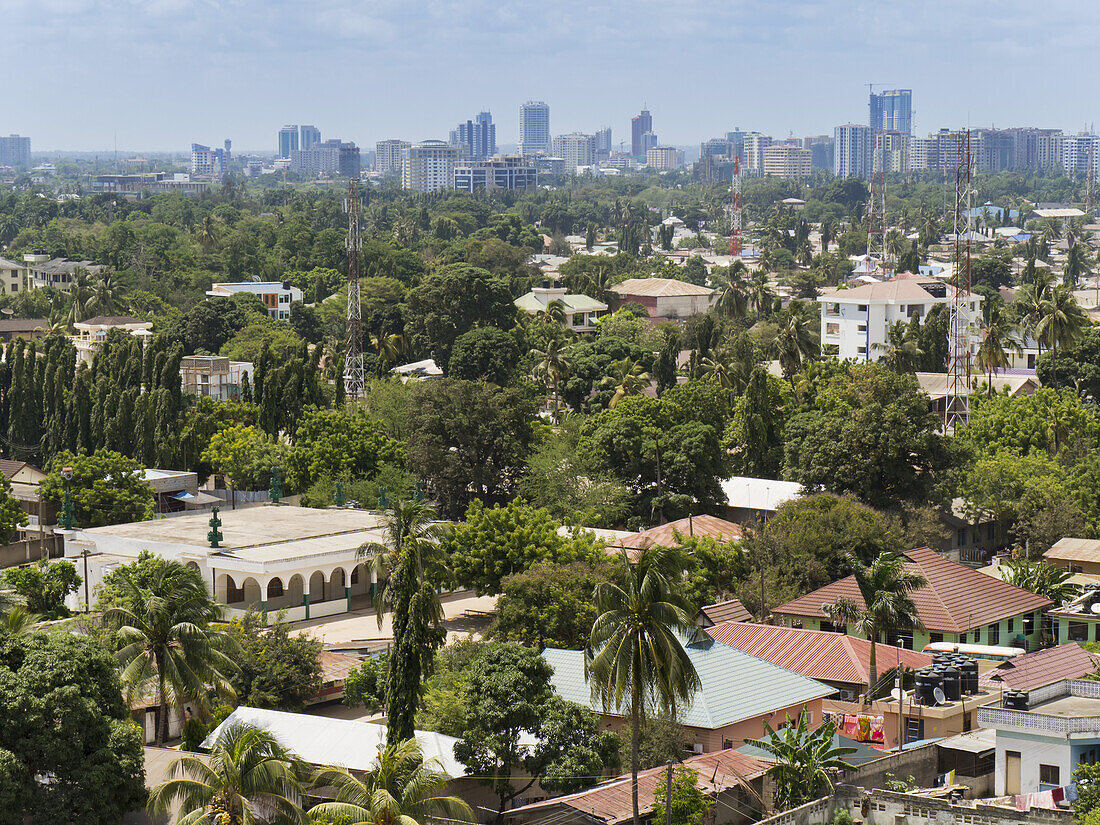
957,598
819,654
731,611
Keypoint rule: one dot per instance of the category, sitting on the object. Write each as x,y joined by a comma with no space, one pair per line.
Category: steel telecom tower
957,403
735,218
353,350
877,259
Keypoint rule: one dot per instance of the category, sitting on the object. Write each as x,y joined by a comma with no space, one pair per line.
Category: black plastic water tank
952,687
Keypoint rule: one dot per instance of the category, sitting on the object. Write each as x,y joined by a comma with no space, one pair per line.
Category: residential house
56,272
734,782
1077,620
1040,668
580,312
212,376
728,708
935,386
855,323
269,558
25,479
1042,735
13,276
672,533
728,611
839,660
958,604
665,298
418,371
28,328
91,333
1075,555
277,296
757,499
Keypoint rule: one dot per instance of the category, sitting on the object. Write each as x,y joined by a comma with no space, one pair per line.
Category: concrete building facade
429,166
534,128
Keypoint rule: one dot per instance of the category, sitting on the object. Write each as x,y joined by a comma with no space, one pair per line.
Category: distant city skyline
412,70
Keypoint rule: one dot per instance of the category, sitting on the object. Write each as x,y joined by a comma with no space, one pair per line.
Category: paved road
362,623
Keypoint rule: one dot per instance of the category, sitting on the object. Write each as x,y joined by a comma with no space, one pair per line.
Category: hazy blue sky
163,73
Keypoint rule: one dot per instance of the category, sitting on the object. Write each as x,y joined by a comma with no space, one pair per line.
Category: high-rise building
892,111
854,146
288,140
603,142
327,158
429,166
640,124
15,151
891,151
918,153
209,163
534,128
664,158
822,150
310,137
1080,152
755,144
575,149
787,161
476,139
514,172
388,155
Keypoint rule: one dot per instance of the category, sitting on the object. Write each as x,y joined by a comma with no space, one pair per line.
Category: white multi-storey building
429,166
534,128
755,144
786,161
1079,152
855,323
277,296
575,149
664,158
388,155
854,150
918,154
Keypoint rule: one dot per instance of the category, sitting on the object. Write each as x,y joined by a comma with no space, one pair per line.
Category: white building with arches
297,561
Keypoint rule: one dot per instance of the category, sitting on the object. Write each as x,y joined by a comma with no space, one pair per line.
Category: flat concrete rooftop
1069,706
248,527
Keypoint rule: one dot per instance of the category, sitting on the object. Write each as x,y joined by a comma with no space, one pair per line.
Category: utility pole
668,794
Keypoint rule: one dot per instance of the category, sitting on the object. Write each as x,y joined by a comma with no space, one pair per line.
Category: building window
832,329
861,350
1029,624
1012,624
1048,775
832,309
1078,631
862,328
935,638
960,536
993,635
863,307
275,588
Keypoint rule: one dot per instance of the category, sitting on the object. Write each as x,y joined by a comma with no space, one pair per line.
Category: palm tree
552,366
635,651
761,297
998,336
732,300
628,377
402,789
208,233
795,343
166,644
106,295
388,347
80,294
884,588
554,314
1077,264
1062,322
18,621
902,353
249,777
400,565
805,760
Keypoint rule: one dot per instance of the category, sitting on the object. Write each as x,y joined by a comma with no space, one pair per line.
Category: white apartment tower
429,166
534,128
388,155
575,149
755,144
854,150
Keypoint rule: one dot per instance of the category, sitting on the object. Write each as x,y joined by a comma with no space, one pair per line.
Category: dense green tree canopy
107,488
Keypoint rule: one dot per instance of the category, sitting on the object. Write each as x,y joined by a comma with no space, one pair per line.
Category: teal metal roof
735,685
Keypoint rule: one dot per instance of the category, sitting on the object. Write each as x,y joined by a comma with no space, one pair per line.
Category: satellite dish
938,695
1096,608
897,693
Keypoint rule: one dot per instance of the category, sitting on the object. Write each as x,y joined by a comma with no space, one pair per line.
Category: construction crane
735,221
959,344
354,377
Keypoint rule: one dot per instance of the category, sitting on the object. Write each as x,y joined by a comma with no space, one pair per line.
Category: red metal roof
1033,670
610,802
957,599
665,534
819,654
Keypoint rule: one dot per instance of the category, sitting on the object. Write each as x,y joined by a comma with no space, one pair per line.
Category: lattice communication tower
354,378
959,356
736,241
